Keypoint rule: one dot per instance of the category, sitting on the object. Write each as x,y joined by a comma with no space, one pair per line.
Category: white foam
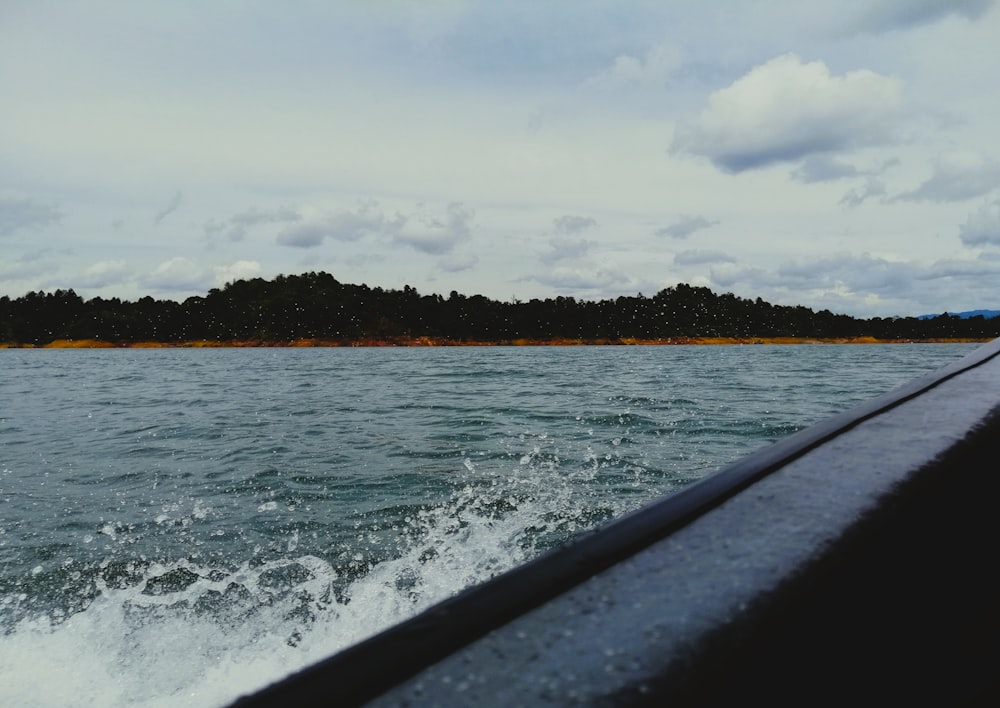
178,638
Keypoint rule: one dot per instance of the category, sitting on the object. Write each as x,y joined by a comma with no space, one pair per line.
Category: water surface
180,526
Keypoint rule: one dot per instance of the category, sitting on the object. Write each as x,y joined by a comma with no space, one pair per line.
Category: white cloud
652,70
785,110
685,226
982,228
437,234
345,225
240,270
178,274
182,275
423,230
431,106
106,273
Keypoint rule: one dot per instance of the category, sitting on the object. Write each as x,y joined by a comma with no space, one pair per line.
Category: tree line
316,306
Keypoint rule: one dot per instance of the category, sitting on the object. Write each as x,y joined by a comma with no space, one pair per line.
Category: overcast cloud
175,202
956,177
833,155
822,168
697,257
685,226
19,212
236,227
982,228
883,15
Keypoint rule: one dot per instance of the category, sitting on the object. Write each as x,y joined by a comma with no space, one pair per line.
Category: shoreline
442,342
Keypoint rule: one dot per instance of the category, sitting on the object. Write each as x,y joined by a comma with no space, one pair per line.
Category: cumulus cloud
885,15
105,273
437,234
346,225
240,270
178,274
181,274
786,110
957,176
982,228
169,209
698,257
685,226
18,212
654,69
235,228
427,232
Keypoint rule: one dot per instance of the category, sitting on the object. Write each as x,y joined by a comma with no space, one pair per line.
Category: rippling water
181,526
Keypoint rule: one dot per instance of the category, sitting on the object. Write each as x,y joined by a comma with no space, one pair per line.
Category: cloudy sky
839,155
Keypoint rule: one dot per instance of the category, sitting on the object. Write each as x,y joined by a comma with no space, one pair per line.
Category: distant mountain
965,315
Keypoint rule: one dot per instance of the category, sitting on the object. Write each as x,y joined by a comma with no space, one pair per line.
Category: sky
837,155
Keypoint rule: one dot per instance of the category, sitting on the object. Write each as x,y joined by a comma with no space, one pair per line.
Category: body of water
180,526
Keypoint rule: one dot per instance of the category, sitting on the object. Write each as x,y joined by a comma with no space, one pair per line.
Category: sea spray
159,633
183,526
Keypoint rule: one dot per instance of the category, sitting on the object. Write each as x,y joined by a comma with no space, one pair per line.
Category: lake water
180,526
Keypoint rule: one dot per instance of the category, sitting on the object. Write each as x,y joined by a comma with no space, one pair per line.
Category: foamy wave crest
164,634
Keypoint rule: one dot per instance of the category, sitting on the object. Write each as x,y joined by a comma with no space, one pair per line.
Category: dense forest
316,307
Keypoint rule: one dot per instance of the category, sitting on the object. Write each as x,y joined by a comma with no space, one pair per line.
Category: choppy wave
182,526
150,633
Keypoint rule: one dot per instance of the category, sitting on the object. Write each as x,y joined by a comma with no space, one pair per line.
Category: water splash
146,633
